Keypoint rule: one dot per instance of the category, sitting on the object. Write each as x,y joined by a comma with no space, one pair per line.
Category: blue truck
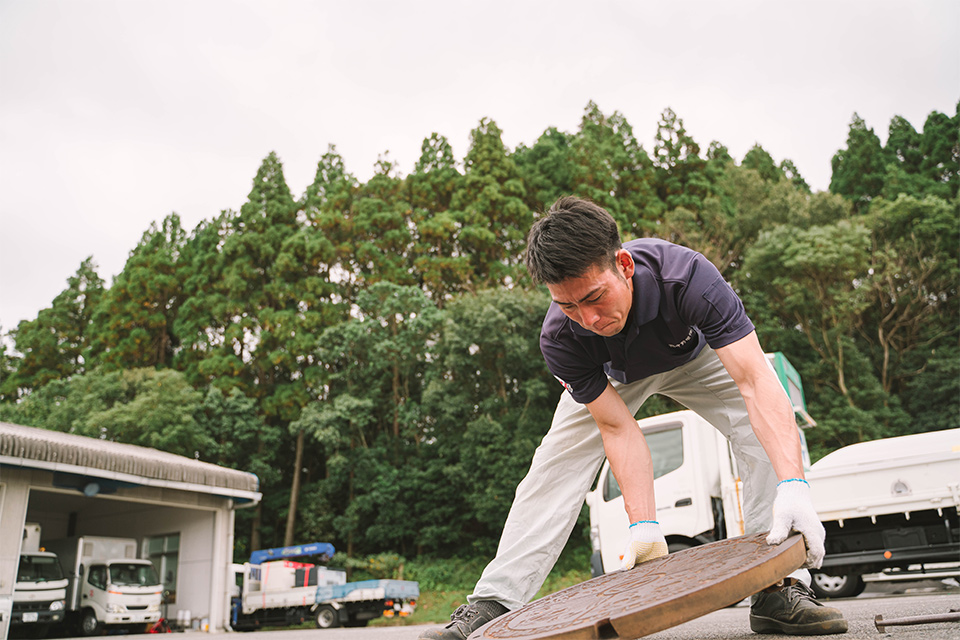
289,585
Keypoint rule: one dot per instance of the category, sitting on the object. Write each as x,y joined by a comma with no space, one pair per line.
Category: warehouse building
180,510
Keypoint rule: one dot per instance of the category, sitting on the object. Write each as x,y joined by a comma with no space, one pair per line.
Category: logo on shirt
565,384
684,342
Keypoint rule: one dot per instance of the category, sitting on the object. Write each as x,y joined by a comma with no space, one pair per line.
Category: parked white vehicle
891,509
109,587
40,590
272,590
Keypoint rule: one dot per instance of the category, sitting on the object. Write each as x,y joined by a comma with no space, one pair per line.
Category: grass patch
446,583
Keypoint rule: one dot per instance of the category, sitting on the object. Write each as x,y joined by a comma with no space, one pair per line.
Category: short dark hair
572,237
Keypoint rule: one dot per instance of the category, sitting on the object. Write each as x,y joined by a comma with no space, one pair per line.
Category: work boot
465,620
794,610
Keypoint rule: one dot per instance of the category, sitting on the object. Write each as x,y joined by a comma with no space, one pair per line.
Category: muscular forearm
630,461
627,451
772,419
768,407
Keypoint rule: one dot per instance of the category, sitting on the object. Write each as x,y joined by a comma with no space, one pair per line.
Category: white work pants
548,500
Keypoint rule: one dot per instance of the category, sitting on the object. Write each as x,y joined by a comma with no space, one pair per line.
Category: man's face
599,300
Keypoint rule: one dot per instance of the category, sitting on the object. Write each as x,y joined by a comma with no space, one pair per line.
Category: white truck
40,590
890,508
109,587
696,482
273,590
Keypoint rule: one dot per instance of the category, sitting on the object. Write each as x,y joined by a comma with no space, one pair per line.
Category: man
626,322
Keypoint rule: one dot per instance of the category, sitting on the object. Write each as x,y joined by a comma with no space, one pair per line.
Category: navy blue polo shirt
680,303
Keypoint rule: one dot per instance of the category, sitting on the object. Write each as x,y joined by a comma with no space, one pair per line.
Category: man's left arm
772,419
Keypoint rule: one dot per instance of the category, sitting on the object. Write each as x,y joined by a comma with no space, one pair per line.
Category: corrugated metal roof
69,453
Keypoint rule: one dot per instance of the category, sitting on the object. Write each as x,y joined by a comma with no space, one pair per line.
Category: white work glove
646,543
793,510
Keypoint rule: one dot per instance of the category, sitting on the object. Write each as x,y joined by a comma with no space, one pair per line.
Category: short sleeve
710,304
570,364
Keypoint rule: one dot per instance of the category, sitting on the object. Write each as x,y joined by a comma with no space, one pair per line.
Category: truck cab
119,592
38,597
40,591
109,587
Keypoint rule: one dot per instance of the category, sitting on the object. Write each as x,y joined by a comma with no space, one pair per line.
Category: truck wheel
327,617
842,586
89,625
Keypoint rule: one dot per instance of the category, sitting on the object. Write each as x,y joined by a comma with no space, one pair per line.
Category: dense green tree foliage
493,218
370,349
547,168
490,395
132,324
8,366
147,407
911,163
612,169
763,163
439,266
858,170
52,345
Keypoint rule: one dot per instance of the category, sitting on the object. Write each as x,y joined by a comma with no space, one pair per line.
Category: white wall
14,489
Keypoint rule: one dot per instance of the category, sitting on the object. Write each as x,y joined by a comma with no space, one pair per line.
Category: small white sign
30,616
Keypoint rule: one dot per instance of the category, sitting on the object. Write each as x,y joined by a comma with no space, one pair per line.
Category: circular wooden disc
655,595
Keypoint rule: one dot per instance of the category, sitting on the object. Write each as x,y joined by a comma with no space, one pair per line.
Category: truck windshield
666,450
133,574
39,569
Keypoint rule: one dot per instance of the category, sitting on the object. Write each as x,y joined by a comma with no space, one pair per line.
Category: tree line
370,349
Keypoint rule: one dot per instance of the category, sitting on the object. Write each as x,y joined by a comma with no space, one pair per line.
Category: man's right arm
627,451
629,457
580,372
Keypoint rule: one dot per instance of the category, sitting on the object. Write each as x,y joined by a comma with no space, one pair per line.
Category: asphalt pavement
860,613
732,623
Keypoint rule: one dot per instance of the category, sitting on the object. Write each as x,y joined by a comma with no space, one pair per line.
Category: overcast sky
115,114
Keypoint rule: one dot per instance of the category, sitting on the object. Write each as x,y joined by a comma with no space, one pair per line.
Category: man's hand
646,543
793,510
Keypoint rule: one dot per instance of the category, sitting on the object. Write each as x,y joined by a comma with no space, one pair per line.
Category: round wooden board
655,595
